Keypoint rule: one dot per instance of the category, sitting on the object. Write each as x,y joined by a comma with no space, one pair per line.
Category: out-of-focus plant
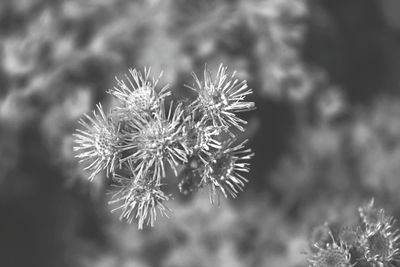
138,141
375,139
373,241
280,27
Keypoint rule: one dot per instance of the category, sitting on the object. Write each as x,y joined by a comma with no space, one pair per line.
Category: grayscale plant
146,135
373,242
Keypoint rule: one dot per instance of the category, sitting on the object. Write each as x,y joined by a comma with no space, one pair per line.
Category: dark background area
326,131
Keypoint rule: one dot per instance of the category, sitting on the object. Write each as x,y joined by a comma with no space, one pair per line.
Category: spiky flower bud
381,247
379,240
223,171
220,98
140,199
138,93
156,140
331,255
200,139
98,143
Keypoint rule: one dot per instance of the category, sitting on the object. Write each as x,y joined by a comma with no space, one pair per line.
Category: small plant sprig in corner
373,242
137,142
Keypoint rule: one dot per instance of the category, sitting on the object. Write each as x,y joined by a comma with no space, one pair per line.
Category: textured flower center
104,144
140,99
218,100
379,245
333,257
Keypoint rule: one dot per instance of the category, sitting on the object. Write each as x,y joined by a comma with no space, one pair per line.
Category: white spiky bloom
200,139
331,255
220,98
139,198
138,92
156,140
223,170
98,143
379,240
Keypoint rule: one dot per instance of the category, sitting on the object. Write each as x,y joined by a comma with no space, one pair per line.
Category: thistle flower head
200,139
332,255
155,140
140,200
220,98
222,172
138,93
98,143
380,246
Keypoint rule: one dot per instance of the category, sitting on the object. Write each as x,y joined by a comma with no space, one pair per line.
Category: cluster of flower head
372,242
146,135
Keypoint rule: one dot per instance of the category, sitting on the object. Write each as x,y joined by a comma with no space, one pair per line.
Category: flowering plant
137,141
373,242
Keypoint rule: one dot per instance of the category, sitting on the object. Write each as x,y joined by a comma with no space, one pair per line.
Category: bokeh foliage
325,132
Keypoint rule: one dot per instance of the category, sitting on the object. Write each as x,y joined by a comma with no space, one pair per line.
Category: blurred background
326,131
